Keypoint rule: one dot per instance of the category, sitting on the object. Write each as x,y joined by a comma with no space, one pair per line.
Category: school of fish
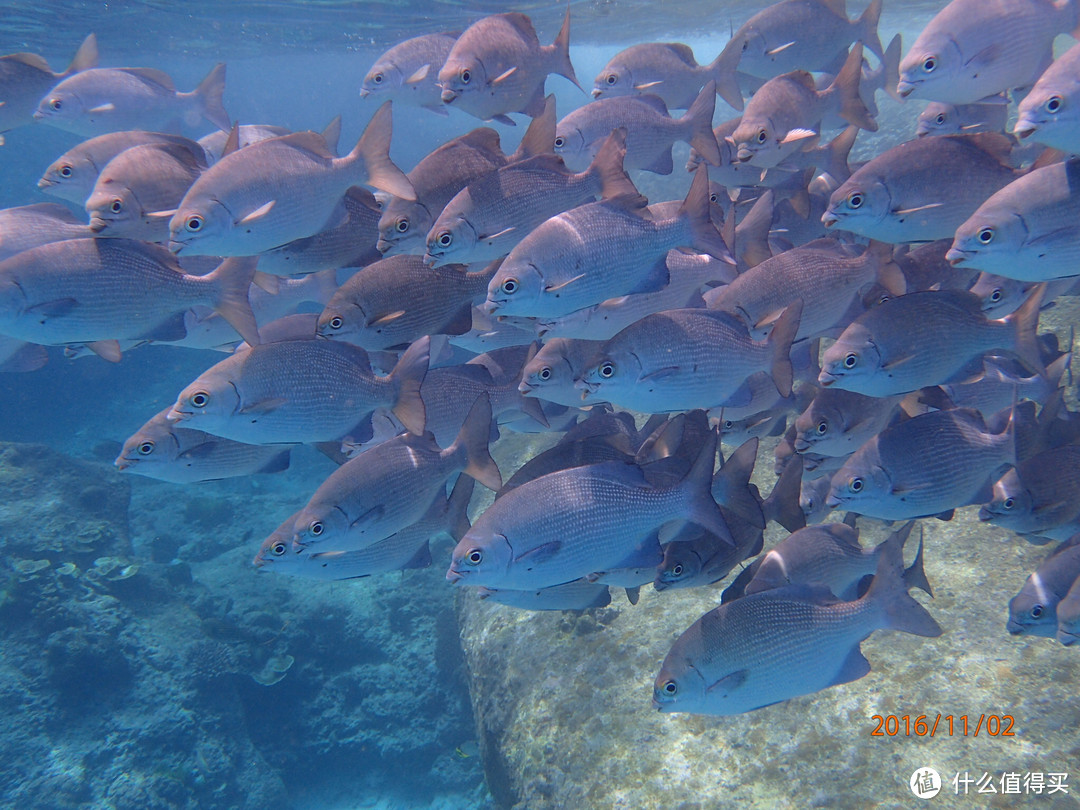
877,321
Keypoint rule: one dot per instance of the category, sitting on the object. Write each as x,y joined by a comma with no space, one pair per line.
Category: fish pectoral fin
798,135
903,490
160,214
374,513
492,237
898,361
905,211
1049,236
107,107
855,666
419,74
729,683
567,283
257,214
540,554
56,308
387,318
659,374
779,48
264,405
506,74
647,85
986,55
106,349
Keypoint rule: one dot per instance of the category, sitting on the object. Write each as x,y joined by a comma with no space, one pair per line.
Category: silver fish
838,422
650,131
300,391
1048,111
778,644
961,119
973,50
238,208
162,450
99,291
408,73
581,594
26,77
1003,381
29,226
923,189
99,100
1039,498
498,66
1033,611
138,190
668,70
926,466
551,372
72,175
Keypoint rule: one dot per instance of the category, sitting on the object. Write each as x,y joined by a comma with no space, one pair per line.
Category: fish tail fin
837,153
561,52
231,281
780,338
695,211
1025,323
782,506
722,70
372,155
867,25
846,85
209,93
456,517
473,439
733,482
407,377
890,63
702,508
698,121
608,166
889,591
539,138
85,58
752,234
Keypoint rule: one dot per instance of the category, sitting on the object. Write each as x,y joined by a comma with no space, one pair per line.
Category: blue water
374,710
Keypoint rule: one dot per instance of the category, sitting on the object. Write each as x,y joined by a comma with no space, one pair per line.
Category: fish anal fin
855,666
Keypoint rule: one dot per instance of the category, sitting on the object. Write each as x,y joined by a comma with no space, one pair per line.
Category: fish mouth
490,306
383,246
1067,639
176,247
956,256
801,445
123,463
832,501
431,259
177,416
985,515
1014,628
828,219
364,92
526,387
448,96
453,576
596,93
826,378
39,115
744,155
45,182
904,88
98,224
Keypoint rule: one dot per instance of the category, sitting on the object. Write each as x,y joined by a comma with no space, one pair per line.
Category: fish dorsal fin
152,75
803,78
523,25
311,142
635,203
539,138
361,195
655,102
232,141
683,52
86,57
183,154
30,60
483,139
332,134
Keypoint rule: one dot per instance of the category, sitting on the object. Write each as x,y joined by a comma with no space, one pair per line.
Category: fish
812,495
406,549
1039,497
99,291
695,557
136,186
779,644
581,594
667,70
352,243
300,391
683,359
26,77
215,143
925,267
650,131
924,467
1068,617
599,250
488,217
824,274
972,51
29,226
521,543
880,355
1046,113
489,333
397,300
498,66
923,189
391,486
839,422
1002,296
551,372
167,452
1026,230
408,73
72,176
404,224
1004,381
236,207
99,100
788,109
800,35
961,119
1033,611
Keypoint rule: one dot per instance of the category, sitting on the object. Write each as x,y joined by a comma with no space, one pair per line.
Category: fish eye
377,78
1053,104
762,136
996,295
670,688
713,198
607,370
940,119
465,76
403,225
316,528
611,78
65,171
474,556
822,428
728,424
509,286
560,142
851,360
855,485
545,373
116,207
199,399
146,448
193,223
855,199
986,236
1036,611
445,238
278,549
677,570
1009,503
336,322
55,104
929,63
